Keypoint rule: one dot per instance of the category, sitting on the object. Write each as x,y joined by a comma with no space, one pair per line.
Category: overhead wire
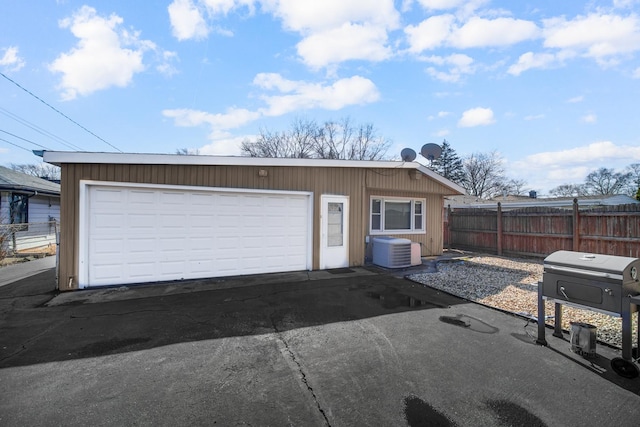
15,145
24,139
38,129
60,112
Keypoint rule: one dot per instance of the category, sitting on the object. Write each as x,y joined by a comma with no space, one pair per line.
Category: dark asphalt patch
35,334
511,414
340,271
392,299
419,413
105,347
471,323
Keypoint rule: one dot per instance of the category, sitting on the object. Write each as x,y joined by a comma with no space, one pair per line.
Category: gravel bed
511,284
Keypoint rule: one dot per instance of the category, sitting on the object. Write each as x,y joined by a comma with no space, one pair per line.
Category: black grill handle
597,274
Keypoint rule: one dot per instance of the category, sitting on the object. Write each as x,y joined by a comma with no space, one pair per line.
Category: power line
60,112
15,145
24,139
38,129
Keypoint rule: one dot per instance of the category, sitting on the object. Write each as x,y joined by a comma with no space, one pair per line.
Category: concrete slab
366,349
25,268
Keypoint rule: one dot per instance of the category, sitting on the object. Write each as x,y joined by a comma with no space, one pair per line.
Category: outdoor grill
604,283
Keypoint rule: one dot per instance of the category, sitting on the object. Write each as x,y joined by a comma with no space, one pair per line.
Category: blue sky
552,86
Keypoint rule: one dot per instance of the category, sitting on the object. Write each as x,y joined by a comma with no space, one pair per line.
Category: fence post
449,237
499,229
576,226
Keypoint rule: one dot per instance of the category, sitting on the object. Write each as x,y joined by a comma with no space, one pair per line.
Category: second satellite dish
431,151
408,155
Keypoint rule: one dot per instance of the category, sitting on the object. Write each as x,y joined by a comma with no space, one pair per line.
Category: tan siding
358,184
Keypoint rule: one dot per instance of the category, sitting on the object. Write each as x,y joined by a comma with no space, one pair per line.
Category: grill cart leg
557,330
624,365
626,329
541,318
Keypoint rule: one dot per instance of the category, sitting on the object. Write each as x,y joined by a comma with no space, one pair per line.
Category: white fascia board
457,189
61,157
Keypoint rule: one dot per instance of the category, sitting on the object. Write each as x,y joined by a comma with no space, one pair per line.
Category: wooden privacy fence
539,231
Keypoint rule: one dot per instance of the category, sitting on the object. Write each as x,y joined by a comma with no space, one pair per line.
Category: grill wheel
624,368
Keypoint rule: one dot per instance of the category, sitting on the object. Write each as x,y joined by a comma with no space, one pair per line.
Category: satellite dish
408,155
431,151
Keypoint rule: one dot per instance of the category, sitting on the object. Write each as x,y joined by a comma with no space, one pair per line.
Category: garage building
146,218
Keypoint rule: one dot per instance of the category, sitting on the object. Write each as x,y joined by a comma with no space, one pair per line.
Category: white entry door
334,231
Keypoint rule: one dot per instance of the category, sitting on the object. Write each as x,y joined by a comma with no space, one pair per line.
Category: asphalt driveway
345,349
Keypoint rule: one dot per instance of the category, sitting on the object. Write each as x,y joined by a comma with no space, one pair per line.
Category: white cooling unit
391,252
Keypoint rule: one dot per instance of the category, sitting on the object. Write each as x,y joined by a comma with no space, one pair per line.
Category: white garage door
135,235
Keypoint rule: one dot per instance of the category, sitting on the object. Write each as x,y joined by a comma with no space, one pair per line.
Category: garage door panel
142,235
108,196
109,246
141,270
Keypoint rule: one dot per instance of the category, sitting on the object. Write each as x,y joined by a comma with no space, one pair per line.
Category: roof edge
61,157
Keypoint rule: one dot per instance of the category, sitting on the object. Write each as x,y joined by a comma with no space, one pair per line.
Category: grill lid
592,262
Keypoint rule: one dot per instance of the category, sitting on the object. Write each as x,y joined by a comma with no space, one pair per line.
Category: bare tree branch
332,140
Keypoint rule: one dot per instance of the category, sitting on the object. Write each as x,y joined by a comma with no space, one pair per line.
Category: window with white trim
390,215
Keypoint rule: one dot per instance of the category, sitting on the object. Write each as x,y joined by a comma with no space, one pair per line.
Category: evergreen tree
449,165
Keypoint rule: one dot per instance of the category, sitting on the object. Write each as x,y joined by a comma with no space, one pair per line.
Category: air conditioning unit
391,252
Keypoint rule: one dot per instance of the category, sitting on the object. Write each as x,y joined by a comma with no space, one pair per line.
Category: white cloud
442,133
636,73
233,118
624,3
430,33
442,30
223,7
601,37
308,17
476,117
336,30
304,96
166,66
458,64
10,61
549,169
463,7
347,42
105,55
332,30
575,99
589,118
592,154
480,32
531,60
225,146
440,4
187,21
294,96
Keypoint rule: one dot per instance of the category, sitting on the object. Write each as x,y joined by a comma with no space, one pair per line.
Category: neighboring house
517,202
141,218
29,210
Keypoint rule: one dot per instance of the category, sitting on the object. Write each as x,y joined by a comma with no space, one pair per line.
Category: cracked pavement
354,349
